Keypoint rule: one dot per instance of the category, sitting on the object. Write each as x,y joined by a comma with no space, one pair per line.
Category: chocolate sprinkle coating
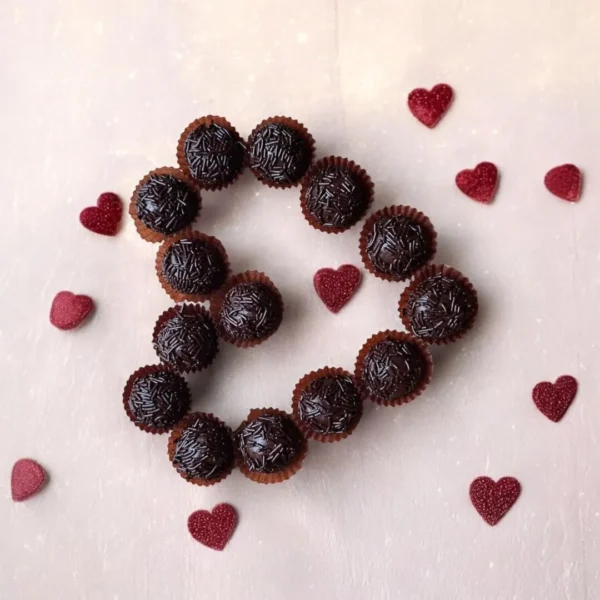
393,369
159,399
278,153
187,342
214,154
336,197
269,443
399,246
166,204
250,311
440,308
329,404
204,450
193,266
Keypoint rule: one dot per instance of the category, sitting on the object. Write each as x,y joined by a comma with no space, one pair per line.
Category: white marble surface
95,94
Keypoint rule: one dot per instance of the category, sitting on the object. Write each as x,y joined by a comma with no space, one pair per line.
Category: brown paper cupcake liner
421,276
145,232
174,438
393,211
216,303
302,385
286,473
173,311
195,235
301,130
335,161
129,386
399,336
182,160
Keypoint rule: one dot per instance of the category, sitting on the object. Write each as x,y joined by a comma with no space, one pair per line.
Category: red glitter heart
429,106
27,479
336,288
564,182
69,310
479,183
553,399
213,529
105,217
493,499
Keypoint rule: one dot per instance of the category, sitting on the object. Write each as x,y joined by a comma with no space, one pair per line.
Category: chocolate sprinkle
187,342
269,443
166,204
193,266
330,404
278,153
393,369
440,308
336,197
159,399
398,246
250,311
214,154
204,450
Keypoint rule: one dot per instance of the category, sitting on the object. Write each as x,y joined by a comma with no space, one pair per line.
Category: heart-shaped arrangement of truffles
397,244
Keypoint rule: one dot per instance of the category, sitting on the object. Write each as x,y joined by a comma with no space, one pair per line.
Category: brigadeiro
327,404
192,266
155,398
396,242
185,338
201,449
393,368
164,203
439,305
211,151
248,309
280,150
269,445
336,193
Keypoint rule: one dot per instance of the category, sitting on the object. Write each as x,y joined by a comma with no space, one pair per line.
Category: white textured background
95,93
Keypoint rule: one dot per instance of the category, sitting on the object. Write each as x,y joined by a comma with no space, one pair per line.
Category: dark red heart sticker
493,499
336,288
68,310
479,183
27,479
430,106
564,182
554,399
213,529
105,217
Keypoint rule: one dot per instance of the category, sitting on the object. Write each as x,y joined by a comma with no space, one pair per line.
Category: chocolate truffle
156,398
280,151
329,404
194,266
268,443
185,338
201,448
250,311
439,306
212,151
166,204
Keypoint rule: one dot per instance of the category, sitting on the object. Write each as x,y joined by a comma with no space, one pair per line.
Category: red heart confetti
564,182
105,217
213,529
429,106
553,399
335,288
68,310
479,183
493,499
27,479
